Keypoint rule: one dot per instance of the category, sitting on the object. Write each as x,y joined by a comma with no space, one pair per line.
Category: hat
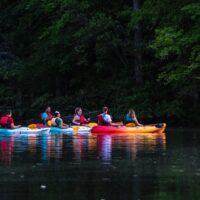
57,112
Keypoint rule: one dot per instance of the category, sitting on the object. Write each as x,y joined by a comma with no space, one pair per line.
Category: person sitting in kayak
104,119
79,118
7,121
131,118
46,116
57,121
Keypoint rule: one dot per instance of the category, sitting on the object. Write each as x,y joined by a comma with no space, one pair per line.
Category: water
84,167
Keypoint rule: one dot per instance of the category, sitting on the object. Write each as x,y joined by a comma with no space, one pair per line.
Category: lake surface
90,167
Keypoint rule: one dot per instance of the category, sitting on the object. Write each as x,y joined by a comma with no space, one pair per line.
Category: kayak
24,130
44,129
72,129
157,128
79,129
61,130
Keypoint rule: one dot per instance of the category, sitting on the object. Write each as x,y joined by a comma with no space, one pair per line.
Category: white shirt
107,118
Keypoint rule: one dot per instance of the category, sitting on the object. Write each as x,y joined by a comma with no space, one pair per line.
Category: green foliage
68,53
168,42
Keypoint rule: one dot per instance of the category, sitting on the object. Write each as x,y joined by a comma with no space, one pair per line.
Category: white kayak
79,129
24,130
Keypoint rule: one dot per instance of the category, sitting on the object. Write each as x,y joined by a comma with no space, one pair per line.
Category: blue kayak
61,130
26,130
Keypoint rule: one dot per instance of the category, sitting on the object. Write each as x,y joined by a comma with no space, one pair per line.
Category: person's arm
13,126
87,120
63,126
136,121
98,122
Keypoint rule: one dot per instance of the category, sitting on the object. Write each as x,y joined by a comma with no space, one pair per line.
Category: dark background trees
137,54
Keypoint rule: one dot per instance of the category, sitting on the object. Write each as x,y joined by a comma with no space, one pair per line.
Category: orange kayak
157,128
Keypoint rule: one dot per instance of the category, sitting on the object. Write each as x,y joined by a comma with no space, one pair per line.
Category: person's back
104,119
131,119
57,121
7,121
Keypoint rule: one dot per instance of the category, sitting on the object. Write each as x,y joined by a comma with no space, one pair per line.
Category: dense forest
140,54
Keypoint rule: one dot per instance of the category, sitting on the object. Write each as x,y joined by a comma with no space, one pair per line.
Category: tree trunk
137,45
195,95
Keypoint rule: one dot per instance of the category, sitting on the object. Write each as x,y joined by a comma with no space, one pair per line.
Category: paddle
159,125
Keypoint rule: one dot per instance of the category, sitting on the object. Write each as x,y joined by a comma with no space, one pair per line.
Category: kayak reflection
77,147
6,149
127,146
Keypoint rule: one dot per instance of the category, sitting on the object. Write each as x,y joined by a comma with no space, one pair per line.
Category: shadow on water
78,166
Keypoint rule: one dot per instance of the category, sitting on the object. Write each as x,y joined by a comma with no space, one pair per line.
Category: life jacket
128,119
5,121
49,123
81,119
53,121
102,121
46,117
50,116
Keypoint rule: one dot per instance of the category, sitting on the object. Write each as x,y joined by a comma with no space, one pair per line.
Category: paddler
57,121
7,121
105,119
47,116
131,119
79,118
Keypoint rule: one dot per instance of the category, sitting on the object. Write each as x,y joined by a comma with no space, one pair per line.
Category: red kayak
157,128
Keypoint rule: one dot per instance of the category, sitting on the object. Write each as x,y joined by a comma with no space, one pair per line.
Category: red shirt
6,122
50,116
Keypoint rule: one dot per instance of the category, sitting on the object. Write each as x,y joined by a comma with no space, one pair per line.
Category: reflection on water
86,166
6,149
60,147
105,147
